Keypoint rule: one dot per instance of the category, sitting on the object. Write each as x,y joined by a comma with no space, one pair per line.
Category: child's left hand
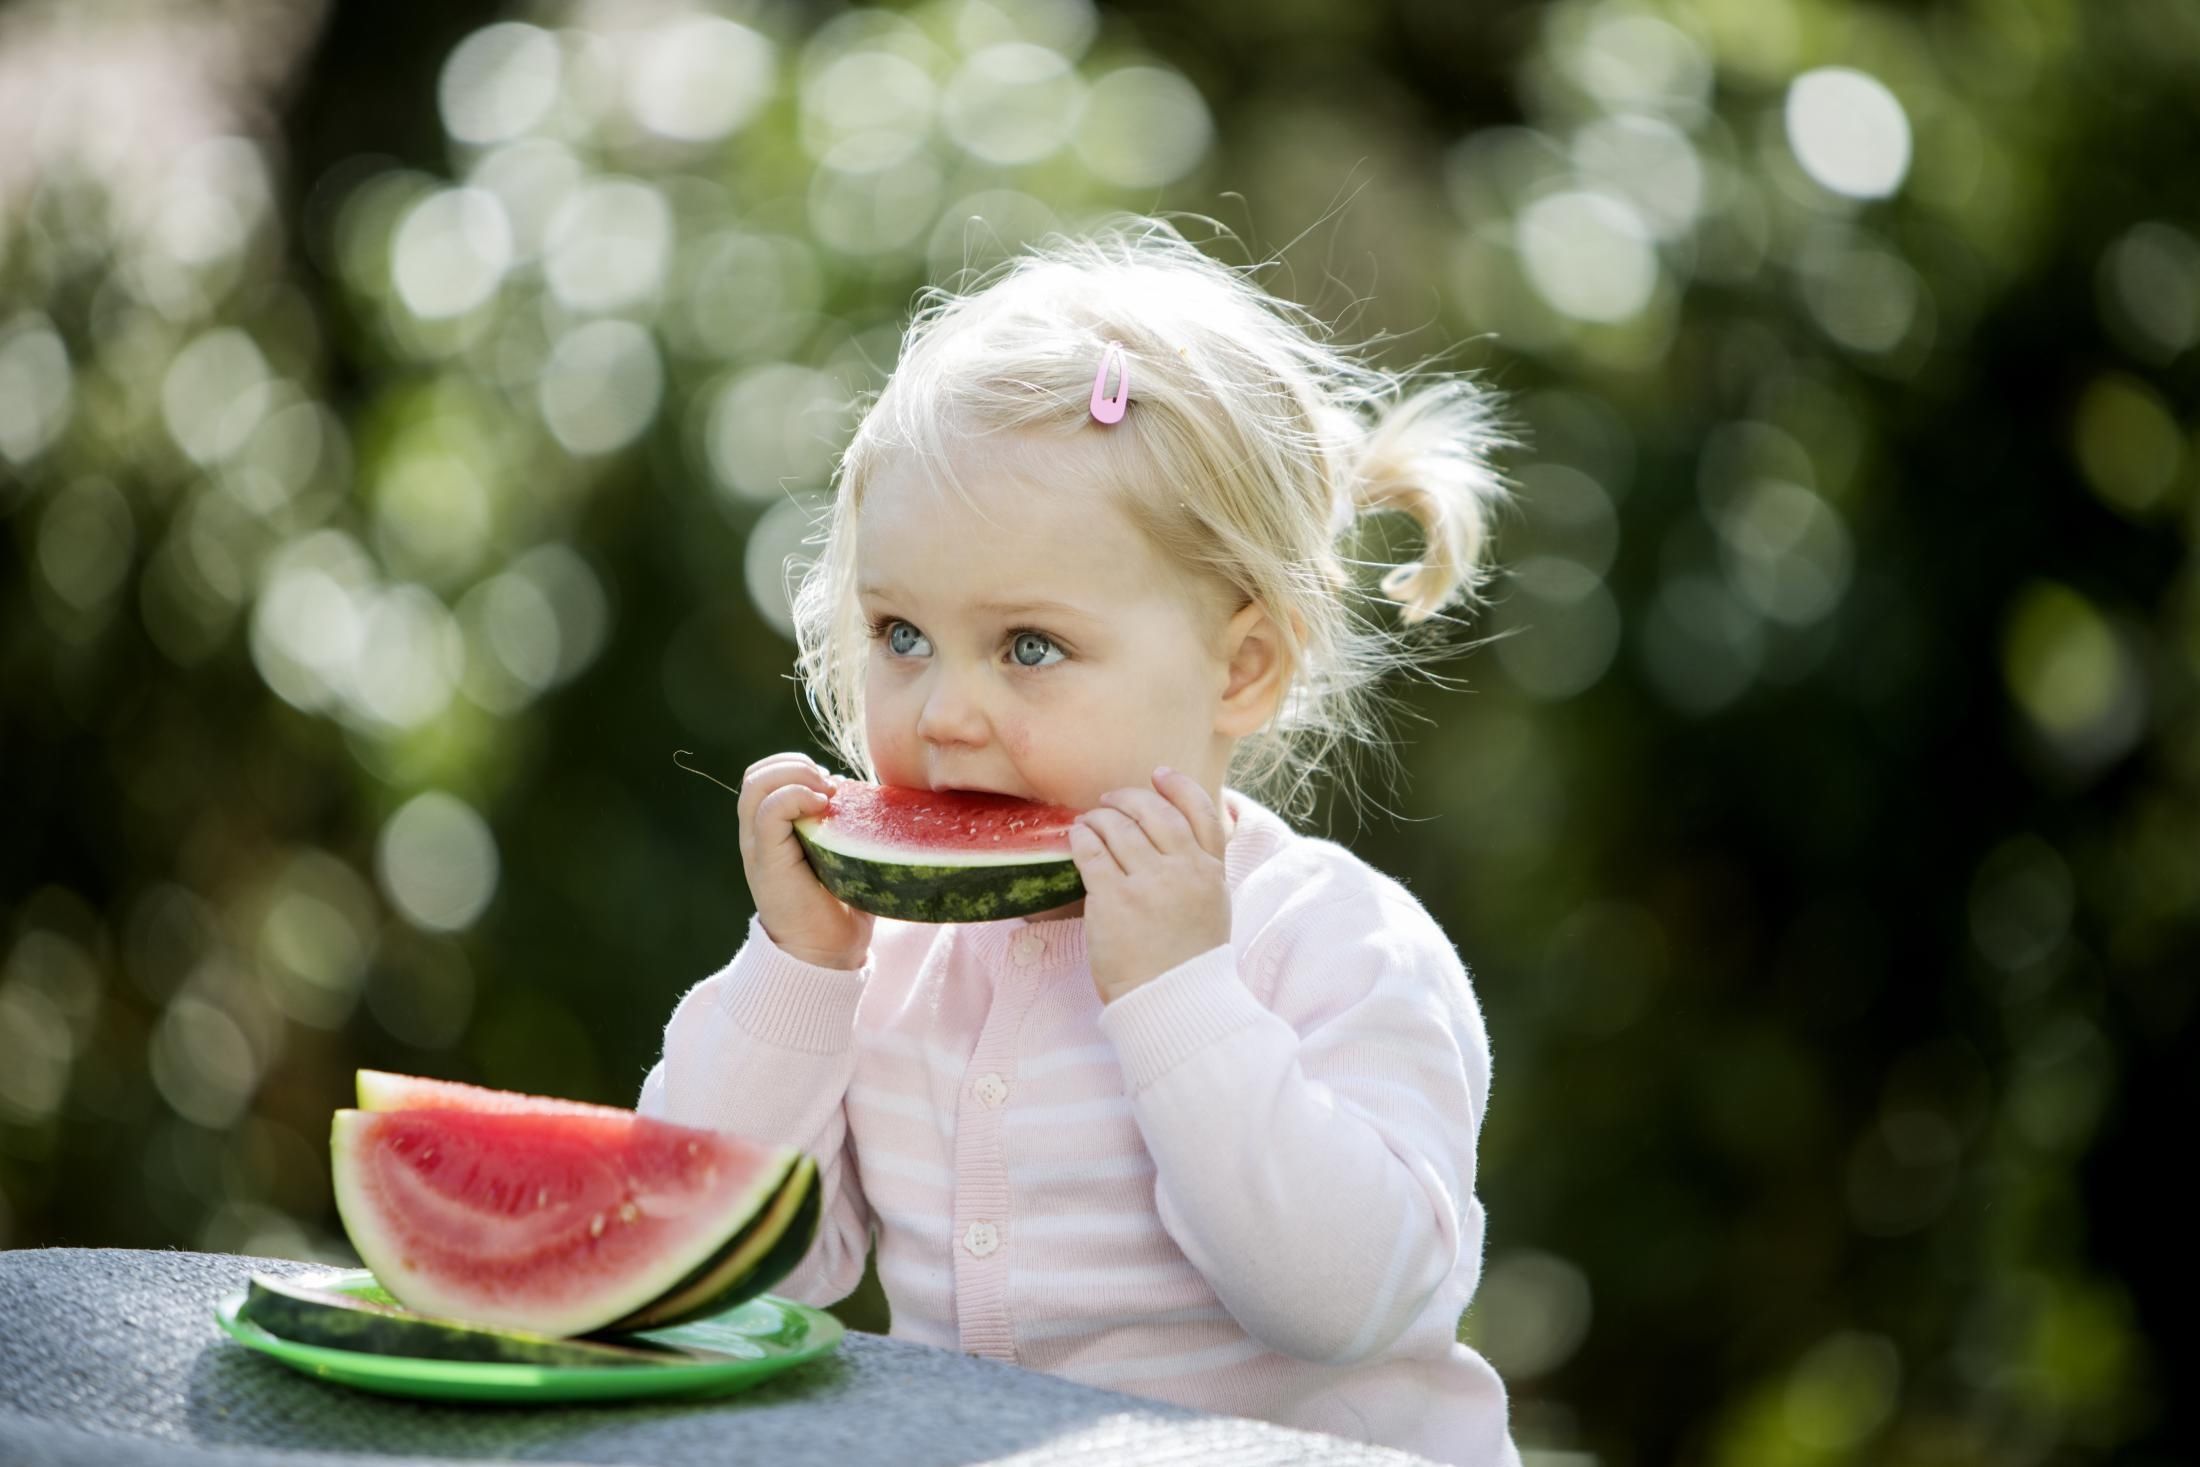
1154,889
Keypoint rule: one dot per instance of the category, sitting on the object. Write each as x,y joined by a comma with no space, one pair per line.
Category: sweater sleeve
1315,1155
765,1048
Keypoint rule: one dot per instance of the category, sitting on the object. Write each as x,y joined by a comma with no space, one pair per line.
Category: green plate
763,1337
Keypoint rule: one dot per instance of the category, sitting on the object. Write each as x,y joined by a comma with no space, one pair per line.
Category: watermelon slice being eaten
556,1216
941,855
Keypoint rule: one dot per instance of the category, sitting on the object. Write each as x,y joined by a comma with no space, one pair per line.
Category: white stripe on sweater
1062,1059
926,1225
1090,1169
886,1164
1115,1276
1092,1225
914,1107
1068,1112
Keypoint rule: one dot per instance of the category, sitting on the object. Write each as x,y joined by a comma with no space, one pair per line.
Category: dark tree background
405,418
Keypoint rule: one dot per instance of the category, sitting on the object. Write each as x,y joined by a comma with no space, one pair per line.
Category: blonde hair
1250,447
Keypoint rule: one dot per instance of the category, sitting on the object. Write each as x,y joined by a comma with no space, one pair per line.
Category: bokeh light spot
601,387
1848,132
1701,647
450,252
1564,628
409,659
202,1063
1650,163
499,82
877,95
86,537
36,388
2150,284
778,534
1531,1312
1843,1391
220,370
1589,255
608,245
1142,127
1786,550
2128,444
774,428
871,196
2072,676
437,861
1012,104
315,937
701,78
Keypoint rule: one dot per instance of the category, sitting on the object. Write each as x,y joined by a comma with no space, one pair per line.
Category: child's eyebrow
1017,608
996,608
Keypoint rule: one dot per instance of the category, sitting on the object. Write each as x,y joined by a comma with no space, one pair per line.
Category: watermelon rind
763,1256
386,1090
985,888
299,1311
614,1299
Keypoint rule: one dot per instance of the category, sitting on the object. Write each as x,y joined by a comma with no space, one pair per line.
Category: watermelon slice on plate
941,855
558,1217
347,1329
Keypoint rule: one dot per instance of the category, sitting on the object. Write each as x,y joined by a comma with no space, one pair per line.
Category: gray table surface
112,1358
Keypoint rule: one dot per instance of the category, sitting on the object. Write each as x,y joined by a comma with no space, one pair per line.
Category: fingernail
1162,771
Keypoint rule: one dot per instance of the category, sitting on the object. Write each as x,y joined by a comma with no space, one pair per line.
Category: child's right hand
801,916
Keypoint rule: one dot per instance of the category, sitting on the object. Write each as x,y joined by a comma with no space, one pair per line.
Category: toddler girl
1208,1134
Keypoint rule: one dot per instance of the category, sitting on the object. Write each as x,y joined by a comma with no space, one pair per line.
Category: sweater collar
1057,944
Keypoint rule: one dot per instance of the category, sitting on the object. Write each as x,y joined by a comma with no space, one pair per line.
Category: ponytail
1429,457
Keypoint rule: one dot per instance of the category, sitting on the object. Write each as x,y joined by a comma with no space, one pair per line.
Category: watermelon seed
628,1212
428,1154
595,1226
542,1197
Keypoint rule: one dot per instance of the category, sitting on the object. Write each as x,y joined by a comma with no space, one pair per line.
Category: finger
765,778
775,816
766,775
1163,822
785,760
1190,797
789,803
1125,839
1095,863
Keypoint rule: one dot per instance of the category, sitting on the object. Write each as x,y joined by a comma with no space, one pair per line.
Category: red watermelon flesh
918,824
560,1222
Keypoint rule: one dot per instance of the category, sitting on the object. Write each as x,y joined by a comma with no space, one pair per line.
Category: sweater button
992,1089
1028,946
981,1238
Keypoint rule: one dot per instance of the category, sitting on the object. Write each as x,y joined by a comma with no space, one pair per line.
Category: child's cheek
892,746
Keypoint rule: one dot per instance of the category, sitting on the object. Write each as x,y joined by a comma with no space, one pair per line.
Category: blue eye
1030,649
903,638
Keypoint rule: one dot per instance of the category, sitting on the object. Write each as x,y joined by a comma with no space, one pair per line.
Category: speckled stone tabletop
112,1358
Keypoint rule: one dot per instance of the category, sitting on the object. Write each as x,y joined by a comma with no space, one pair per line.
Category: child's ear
1254,654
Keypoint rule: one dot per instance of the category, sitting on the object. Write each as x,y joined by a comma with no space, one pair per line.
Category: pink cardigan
1247,1186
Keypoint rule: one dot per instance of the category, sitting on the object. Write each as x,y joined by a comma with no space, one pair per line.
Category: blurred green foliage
403,428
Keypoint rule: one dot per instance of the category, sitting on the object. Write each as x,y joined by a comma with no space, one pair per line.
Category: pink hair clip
1110,409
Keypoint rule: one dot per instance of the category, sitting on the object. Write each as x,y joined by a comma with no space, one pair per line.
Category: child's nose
951,713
